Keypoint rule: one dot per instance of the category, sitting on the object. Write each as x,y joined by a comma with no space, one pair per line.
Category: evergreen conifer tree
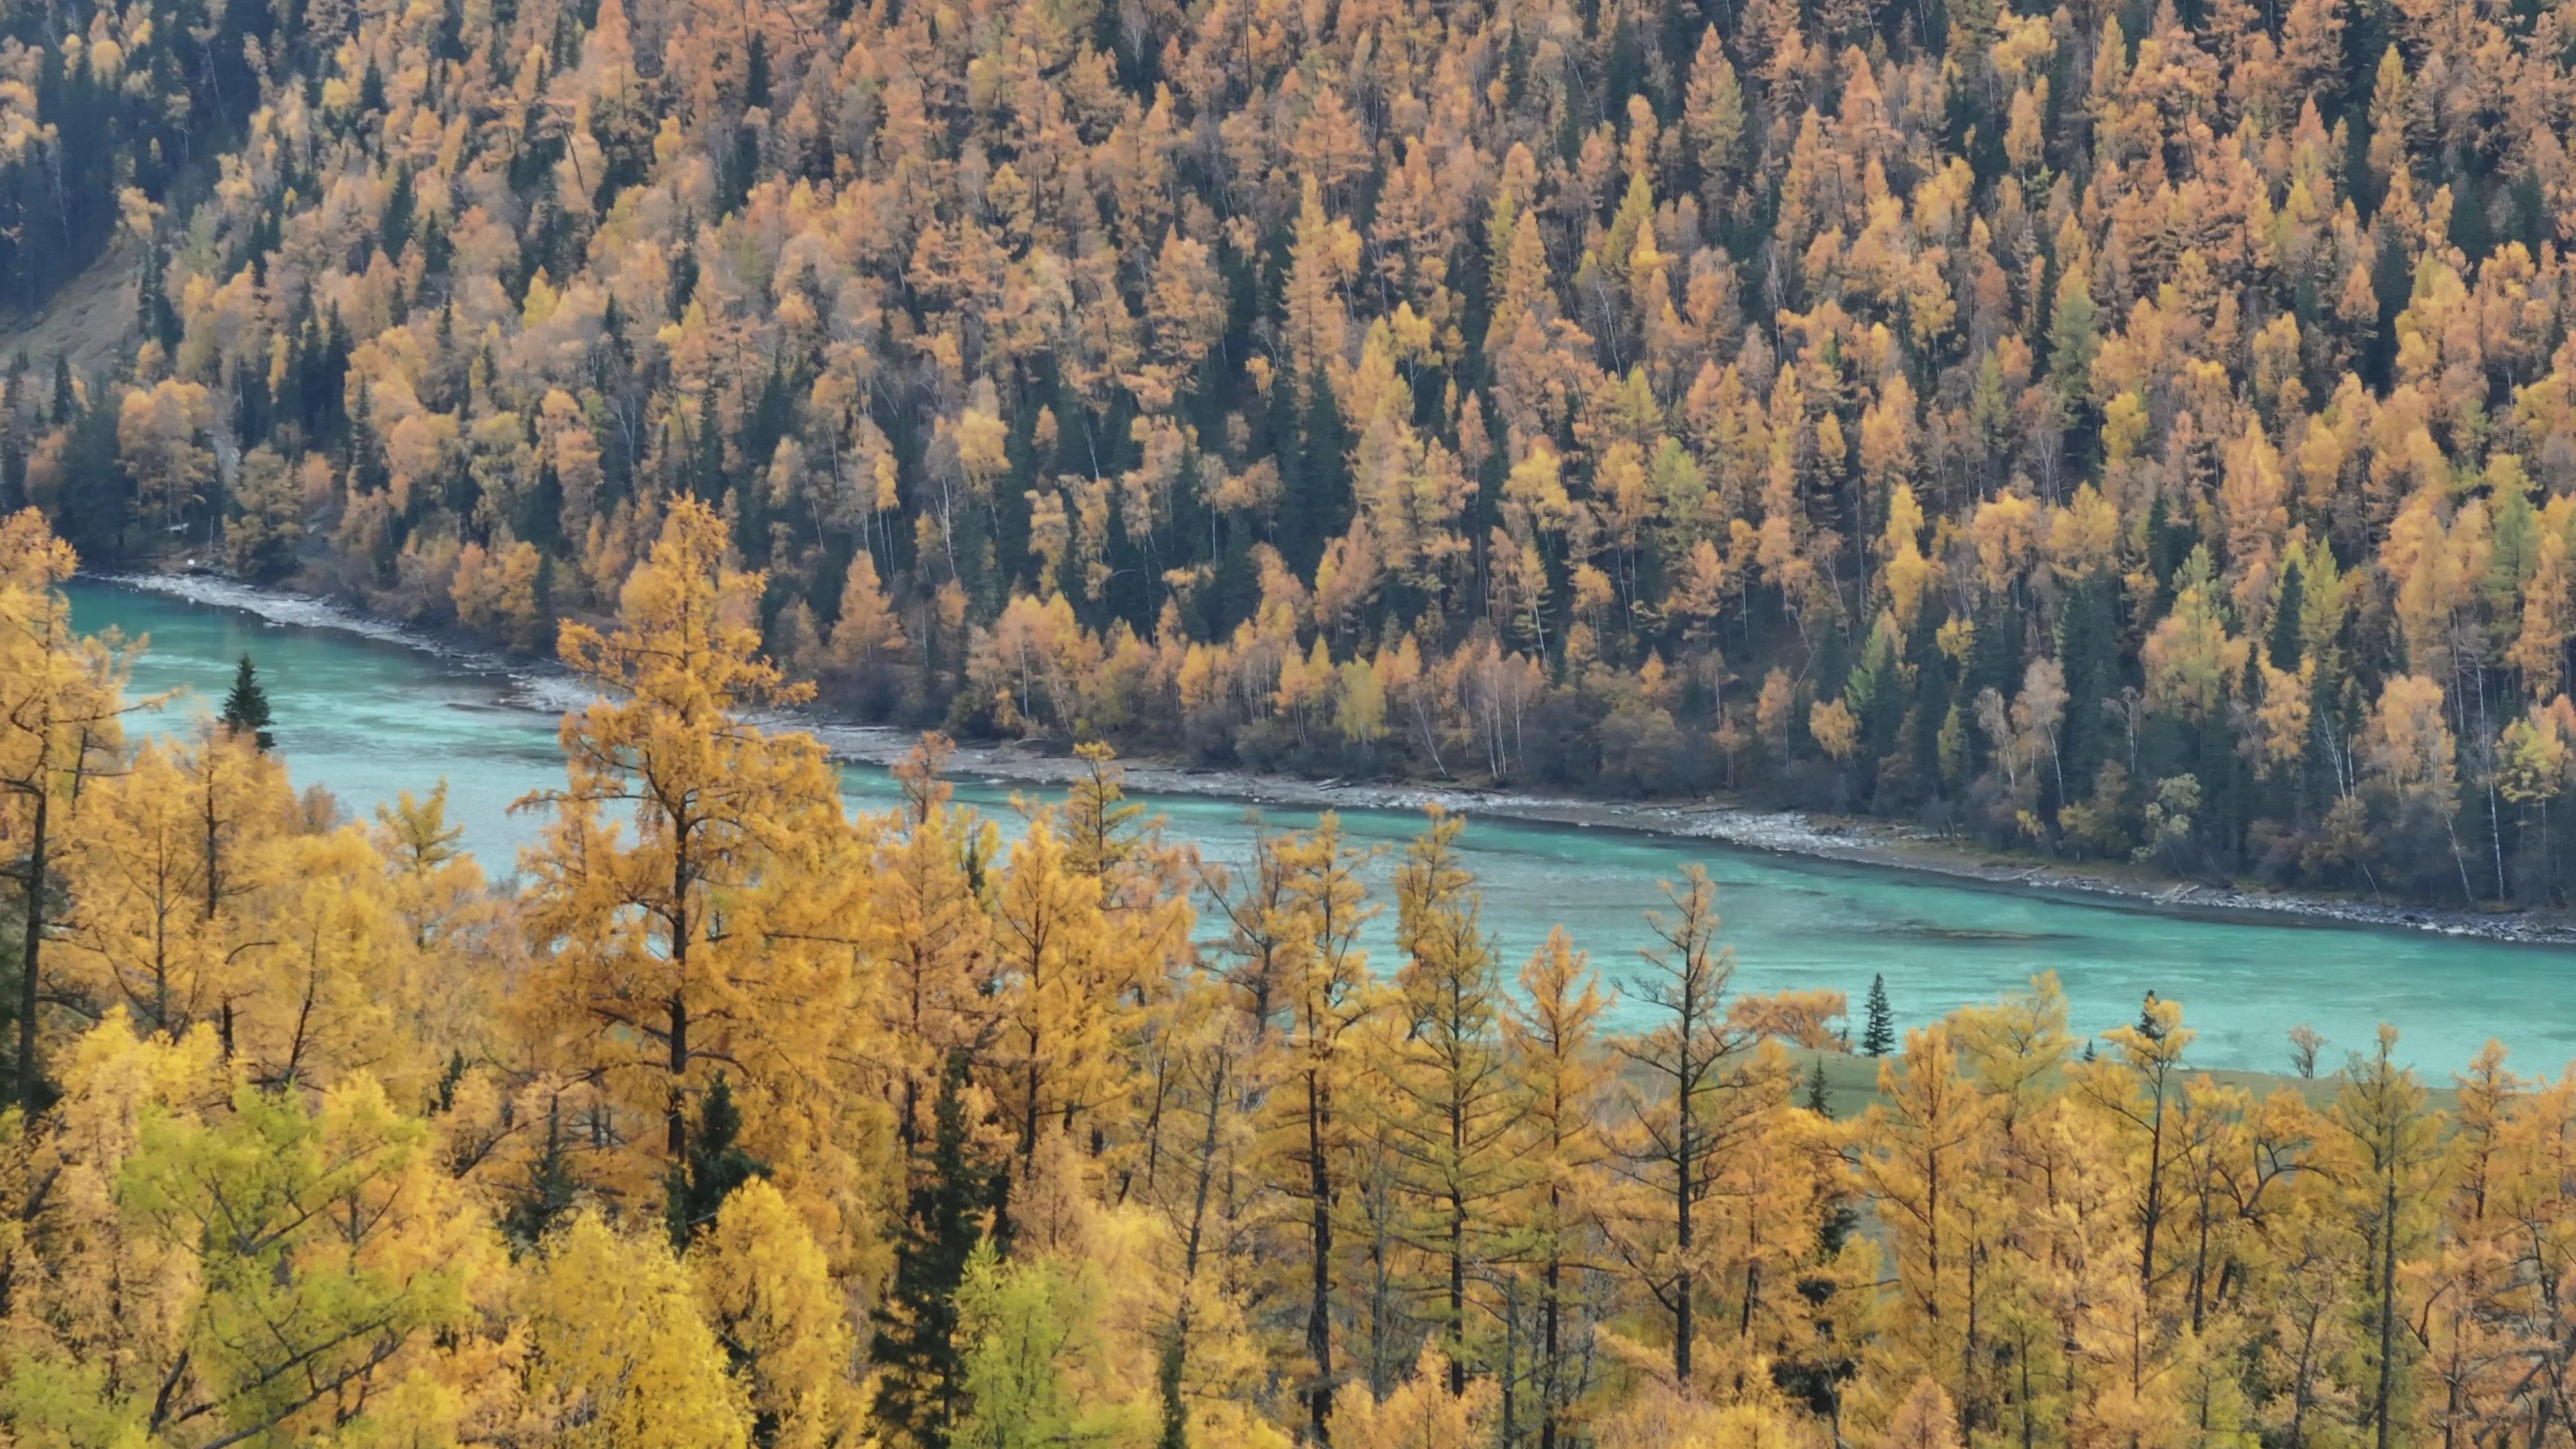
550,1189
1879,1036
246,708
447,1081
2284,647
13,471
95,516
393,229
1819,1096
916,1339
2088,649
715,1167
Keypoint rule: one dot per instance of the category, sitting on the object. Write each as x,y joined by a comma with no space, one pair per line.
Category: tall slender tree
61,698
1878,1032
1684,1062
1557,1058
1456,1110
1328,994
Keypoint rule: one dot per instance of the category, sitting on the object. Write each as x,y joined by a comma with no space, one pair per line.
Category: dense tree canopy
2119,429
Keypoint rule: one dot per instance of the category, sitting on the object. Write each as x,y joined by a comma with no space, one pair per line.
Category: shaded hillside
89,321
2115,430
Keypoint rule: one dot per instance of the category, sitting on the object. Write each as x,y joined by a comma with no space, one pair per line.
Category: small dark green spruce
246,708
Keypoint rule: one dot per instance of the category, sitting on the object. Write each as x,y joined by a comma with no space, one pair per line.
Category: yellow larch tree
1560,1064
2381,1148
765,1288
2139,1086
324,971
1055,1058
1431,1409
1145,885
1926,1151
2478,1301
1328,992
139,935
1180,1201
618,1354
449,918
1455,1110
694,898
1679,1129
930,929
60,698
2015,1050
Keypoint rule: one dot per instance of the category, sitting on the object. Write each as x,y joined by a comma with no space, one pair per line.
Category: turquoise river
366,716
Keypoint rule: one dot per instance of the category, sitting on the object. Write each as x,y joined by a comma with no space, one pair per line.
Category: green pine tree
923,1390
447,1082
393,228
2285,647
550,1190
1878,1037
246,708
1819,1097
1318,507
2088,648
716,1165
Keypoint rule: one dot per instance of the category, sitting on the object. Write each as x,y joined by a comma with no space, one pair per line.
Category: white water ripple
546,690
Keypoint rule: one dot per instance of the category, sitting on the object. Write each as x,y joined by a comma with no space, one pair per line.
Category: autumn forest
2122,432
733,1119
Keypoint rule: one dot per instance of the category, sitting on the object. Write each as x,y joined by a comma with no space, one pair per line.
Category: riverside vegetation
748,1121
2120,430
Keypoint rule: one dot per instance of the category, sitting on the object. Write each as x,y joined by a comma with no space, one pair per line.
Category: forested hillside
741,1121
2118,430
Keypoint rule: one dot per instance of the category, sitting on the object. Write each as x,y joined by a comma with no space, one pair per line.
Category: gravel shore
1876,844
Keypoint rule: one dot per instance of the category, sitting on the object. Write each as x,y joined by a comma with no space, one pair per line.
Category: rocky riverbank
1876,844
1873,844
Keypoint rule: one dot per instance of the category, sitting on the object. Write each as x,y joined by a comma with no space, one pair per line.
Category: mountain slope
2112,429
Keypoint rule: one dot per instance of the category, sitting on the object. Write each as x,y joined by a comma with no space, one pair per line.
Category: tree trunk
1319,1307
1457,1241
1176,1350
1029,1085
2155,1195
675,1113
1458,1293
28,957
214,854
1550,1364
1682,1237
2387,1298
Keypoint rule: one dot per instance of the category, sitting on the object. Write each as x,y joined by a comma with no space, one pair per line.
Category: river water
367,715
